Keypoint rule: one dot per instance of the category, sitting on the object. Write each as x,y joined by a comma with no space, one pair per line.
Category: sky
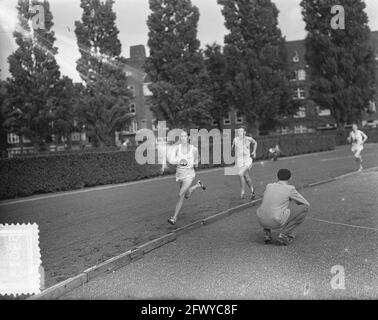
131,22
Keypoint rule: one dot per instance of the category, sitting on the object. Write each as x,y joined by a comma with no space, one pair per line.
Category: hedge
342,135
22,177
292,145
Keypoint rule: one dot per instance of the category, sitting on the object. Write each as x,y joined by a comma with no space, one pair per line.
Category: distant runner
244,159
357,138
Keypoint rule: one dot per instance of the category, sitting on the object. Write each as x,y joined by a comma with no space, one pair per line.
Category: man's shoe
284,240
267,236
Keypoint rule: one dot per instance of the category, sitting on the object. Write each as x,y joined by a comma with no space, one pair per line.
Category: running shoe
172,221
284,240
201,184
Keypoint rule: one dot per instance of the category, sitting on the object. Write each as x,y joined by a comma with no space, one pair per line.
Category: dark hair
284,175
243,127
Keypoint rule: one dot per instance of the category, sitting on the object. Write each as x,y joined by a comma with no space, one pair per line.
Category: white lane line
343,224
126,184
334,159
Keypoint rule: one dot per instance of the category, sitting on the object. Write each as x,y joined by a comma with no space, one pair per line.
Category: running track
81,229
228,260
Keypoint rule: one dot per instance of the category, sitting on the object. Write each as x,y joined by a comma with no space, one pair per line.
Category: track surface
228,260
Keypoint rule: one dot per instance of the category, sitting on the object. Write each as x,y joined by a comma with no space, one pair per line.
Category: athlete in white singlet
244,159
357,138
186,158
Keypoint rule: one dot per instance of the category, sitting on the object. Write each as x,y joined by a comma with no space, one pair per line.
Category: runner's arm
250,139
349,139
364,137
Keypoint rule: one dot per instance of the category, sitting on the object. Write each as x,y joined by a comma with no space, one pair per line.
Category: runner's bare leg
184,187
192,189
248,180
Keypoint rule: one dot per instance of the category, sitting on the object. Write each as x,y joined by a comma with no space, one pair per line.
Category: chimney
137,52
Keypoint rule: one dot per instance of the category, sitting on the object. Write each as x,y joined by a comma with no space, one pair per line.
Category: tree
256,55
176,65
64,111
104,106
31,89
341,61
3,134
219,88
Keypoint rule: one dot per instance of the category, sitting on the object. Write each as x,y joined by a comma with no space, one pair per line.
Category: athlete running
242,144
357,138
186,158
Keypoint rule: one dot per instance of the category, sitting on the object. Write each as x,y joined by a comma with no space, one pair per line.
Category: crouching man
275,213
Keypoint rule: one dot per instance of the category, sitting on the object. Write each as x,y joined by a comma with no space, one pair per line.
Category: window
238,117
132,108
132,89
301,75
75,136
300,129
146,90
324,112
299,93
301,113
13,138
298,75
214,122
133,127
227,120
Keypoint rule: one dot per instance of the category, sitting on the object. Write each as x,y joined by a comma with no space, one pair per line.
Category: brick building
140,104
138,82
310,117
